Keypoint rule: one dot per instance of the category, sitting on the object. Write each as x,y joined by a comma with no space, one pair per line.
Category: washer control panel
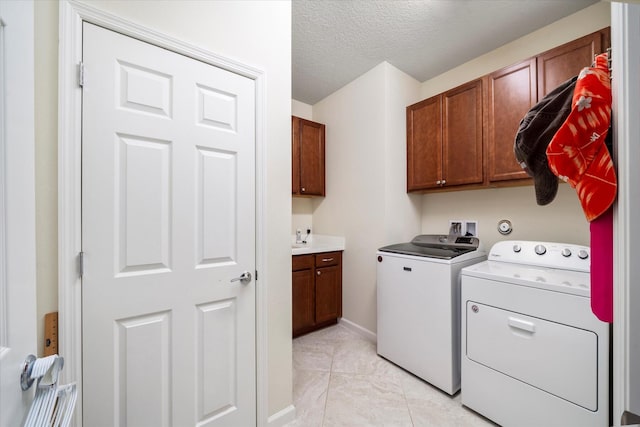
544,254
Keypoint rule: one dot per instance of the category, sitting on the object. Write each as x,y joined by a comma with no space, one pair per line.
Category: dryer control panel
564,256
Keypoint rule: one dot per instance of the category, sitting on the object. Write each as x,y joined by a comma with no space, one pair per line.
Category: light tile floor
339,380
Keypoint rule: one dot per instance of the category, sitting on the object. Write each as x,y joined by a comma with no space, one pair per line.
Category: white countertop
317,243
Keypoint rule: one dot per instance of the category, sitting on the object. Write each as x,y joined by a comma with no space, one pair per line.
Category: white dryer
533,353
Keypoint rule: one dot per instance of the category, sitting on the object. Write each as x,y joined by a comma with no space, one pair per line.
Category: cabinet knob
318,273
303,189
438,182
444,181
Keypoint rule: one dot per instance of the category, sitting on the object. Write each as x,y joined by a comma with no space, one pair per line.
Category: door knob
243,278
25,375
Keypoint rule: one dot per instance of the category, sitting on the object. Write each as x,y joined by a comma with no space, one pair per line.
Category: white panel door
17,207
168,211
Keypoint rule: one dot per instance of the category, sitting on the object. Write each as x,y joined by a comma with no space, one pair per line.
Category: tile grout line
326,395
406,401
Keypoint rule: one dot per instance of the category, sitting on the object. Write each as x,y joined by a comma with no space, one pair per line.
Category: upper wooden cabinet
449,146
444,139
462,135
512,93
513,90
560,64
424,144
308,157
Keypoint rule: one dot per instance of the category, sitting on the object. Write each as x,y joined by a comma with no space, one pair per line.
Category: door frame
625,40
71,16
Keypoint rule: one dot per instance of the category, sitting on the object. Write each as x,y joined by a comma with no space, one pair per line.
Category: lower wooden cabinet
303,300
316,291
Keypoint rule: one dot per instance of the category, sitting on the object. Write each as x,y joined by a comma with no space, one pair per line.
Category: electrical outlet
471,228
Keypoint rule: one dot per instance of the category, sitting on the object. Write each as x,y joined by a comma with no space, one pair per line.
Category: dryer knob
540,250
582,254
516,248
566,252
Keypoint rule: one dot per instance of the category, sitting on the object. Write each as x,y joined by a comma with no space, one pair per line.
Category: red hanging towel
602,266
578,154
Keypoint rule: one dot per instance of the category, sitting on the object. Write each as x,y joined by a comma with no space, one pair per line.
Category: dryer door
555,358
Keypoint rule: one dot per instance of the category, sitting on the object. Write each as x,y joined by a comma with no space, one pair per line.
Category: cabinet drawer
301,262
328,258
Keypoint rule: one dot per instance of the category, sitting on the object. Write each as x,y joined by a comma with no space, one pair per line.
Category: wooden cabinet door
295,155
312,156
424,144
307,157
511,94
328,289
560,64
316,291
462,135
303,300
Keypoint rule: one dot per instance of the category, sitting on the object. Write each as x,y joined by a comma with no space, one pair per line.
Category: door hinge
81,264
256,275
81,72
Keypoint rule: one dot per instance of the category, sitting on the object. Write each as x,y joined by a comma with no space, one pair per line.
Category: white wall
300,109
562,220
301,207
236,30
402,210
366,198
302,215
46,131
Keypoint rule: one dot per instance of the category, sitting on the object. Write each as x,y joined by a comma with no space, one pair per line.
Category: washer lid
426,251
435,246
551,279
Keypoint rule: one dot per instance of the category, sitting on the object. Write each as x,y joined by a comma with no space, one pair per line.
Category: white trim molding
283,417
625,42
72,15
363,332
4,317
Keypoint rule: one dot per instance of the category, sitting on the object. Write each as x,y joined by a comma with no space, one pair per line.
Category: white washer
419,305
533,353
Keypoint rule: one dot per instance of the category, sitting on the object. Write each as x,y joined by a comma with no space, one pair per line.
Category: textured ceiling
335,41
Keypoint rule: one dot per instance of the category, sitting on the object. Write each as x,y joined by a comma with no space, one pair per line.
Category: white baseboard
363,332
283,417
